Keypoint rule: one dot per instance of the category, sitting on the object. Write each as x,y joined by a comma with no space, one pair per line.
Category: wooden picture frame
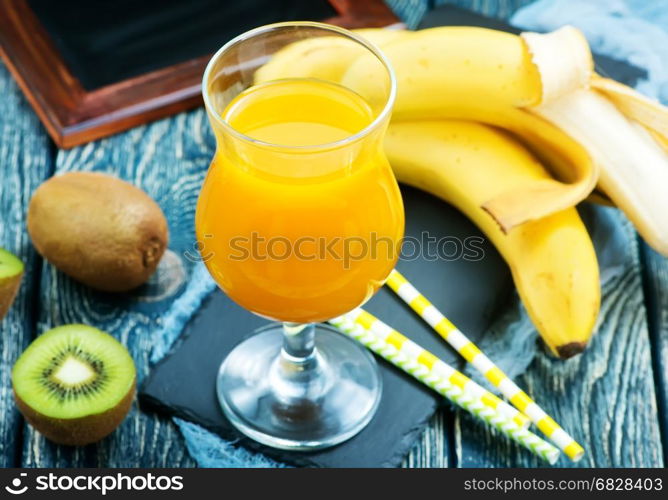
73,115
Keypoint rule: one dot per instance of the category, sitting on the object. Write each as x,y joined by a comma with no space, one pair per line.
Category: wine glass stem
300,376
299,341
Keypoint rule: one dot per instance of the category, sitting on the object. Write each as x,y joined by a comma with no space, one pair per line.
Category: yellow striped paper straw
435,365
440,384
461,343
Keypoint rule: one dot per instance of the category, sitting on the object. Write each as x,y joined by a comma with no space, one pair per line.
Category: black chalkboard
107,41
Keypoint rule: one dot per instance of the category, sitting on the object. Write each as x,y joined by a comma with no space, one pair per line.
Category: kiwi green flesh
11,272
10,264
73,372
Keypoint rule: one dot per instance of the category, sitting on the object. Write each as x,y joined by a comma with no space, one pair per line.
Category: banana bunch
514,131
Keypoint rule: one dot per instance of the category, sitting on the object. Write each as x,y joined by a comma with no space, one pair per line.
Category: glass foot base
299,403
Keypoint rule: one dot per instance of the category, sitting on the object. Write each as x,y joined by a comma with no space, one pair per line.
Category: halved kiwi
74,384
11,272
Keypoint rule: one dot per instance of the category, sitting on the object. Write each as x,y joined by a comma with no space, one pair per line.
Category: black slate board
467,291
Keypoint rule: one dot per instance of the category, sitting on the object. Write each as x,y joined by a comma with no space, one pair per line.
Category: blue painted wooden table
613,398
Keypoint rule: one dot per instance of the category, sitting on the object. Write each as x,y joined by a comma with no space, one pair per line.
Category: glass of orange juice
299,220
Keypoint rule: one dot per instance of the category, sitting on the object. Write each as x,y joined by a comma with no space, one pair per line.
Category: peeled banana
627,135
552,260
634,165
634,105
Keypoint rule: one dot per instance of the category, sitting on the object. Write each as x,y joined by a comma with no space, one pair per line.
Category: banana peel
634,105
633,165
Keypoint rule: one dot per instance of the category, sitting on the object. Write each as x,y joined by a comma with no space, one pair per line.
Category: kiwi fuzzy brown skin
9,287
78,431
98,229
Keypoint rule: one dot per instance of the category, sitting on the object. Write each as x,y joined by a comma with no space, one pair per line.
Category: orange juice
303,222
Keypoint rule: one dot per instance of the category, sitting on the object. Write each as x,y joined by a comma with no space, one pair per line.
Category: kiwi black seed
74,384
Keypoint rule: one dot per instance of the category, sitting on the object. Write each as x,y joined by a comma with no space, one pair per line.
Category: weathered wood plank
25,161
409,11
168,159
501,9
655,275
435,447
604,397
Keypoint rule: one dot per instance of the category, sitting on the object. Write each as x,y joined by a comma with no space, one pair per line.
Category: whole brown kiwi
98,229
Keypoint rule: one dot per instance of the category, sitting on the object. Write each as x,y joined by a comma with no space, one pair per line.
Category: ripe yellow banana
463,66
326,58
473,74
552,260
